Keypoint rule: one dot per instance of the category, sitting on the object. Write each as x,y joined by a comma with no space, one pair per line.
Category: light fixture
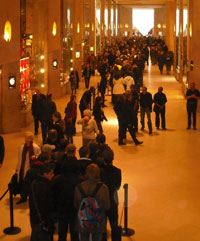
93,27
91,48
190,30
54,31
31,36
71,68
55,63
7,31
42,71
78,54
83,44
71,60
159,25
42,85
71,49
12,82
42,57
78,28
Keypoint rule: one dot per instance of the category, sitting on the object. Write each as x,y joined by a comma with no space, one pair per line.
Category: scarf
24,153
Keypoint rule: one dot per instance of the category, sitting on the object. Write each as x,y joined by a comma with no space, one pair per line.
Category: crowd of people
54,178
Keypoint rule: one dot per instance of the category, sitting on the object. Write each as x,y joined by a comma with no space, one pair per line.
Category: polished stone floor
162,173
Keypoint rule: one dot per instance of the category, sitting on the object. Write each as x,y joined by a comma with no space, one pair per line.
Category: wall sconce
190,30
42,85
78,54
91,48
42,57
78,28
54,29
7,31
55,63
93,27
126,25
164,26
12,82
159,25
42,71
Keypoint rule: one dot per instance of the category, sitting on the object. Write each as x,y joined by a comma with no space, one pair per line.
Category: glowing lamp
126,25
159,25
7,31
91,48
54,31
78,28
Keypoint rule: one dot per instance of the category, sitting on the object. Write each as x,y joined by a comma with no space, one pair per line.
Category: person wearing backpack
91,199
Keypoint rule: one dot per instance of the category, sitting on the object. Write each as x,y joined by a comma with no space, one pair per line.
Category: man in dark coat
48,107
111,176
74,80
85,102
2,150
146,107
41,206
192,96
87,72
159,107
63,193
36,107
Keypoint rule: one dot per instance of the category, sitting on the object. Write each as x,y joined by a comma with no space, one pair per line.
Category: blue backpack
89,213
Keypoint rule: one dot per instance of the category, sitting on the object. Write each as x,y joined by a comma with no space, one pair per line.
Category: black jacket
111,176
41,189
36,104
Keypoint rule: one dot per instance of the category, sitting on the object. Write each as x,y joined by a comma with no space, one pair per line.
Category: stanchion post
11,230
126,231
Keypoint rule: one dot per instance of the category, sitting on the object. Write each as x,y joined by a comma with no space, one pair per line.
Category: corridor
162,173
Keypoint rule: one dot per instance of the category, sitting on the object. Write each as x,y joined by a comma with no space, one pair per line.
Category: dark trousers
162,115
36,123
112,216
122,131
87,82
38,234
94,236
191,112
74,126
99,126
63,227
45,128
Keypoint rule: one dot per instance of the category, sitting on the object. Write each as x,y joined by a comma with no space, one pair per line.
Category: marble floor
162,173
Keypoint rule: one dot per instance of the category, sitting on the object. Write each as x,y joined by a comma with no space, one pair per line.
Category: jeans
148,113
191,112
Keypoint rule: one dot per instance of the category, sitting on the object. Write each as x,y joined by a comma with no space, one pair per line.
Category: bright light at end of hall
7,31
54,29
42,71
143,24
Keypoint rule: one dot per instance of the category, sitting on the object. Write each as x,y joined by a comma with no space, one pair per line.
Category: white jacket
118,88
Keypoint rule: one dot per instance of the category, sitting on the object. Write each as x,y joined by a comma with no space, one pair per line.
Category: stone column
92,21
170,23
180,78
114,19
9,68
54,48
109,21
102,23
194,43
78,34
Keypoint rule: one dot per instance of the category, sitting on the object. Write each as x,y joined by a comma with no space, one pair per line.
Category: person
118,87
48,107
98,113
128,81
192,96
57,124
89,127
84,159
41,206
88,186
135,106
74,80
85,101
71,116
63,187
111,176
2,150
25,154
87,72
159,108
146,107
123,110
36,108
